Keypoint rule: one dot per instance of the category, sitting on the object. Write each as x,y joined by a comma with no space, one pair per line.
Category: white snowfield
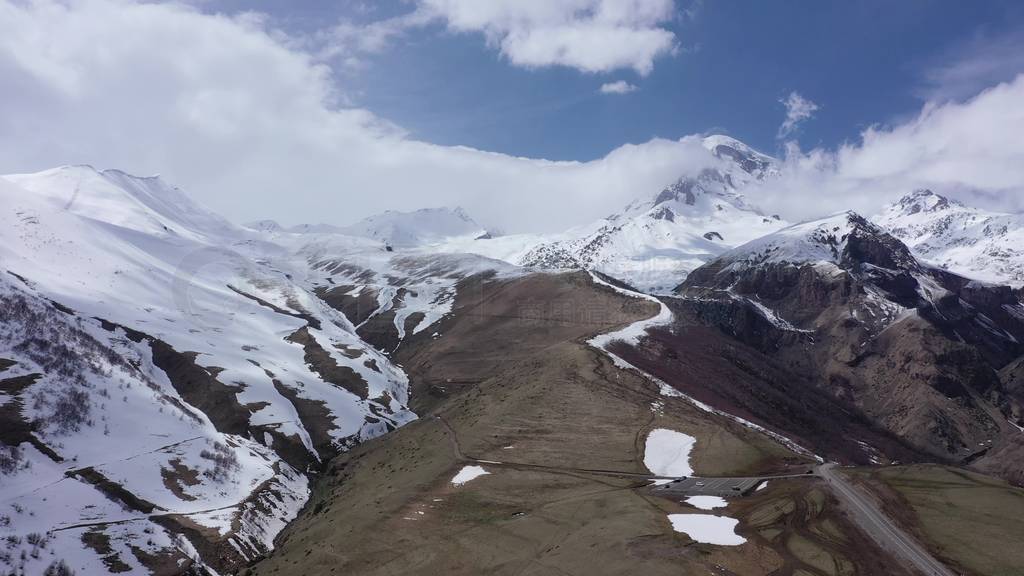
707,529
109,250
814,242
468,473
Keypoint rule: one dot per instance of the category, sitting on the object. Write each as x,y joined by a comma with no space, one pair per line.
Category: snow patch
707,502
667,453
468,473
707,529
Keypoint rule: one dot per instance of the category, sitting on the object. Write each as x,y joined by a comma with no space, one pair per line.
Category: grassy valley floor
549,412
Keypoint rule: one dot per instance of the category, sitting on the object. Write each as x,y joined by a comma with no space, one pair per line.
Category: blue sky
862,62
332,111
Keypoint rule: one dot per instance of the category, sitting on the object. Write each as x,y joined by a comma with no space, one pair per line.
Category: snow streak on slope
988,246
633,334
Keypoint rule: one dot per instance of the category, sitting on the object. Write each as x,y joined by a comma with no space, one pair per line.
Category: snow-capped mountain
985,245
654,243
829,248
171,379
417,228
848,306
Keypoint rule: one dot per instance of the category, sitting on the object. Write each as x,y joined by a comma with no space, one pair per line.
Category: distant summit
654,242
976,243
425,226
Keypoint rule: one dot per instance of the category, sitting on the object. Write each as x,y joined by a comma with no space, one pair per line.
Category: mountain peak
144,203
970,241
264,226
751,161
924,200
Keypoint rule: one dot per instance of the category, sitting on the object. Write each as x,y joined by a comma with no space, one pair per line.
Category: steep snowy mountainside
144,204
97,445
219,366
653,243
219,331
976,243
830,240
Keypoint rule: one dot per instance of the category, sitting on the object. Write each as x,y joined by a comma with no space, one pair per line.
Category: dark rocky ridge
896,348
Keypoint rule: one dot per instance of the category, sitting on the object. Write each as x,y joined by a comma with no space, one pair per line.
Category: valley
560,432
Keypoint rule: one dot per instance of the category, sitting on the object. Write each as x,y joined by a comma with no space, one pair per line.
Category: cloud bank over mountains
252,124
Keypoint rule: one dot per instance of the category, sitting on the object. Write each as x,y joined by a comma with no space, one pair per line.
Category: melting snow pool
707,529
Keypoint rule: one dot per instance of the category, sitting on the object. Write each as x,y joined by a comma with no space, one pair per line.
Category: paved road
873,521
723,487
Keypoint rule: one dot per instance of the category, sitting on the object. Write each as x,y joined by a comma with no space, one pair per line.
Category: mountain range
180,394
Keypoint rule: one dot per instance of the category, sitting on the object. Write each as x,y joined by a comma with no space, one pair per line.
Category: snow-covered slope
170,382
823,241
988,246
653,243
188,378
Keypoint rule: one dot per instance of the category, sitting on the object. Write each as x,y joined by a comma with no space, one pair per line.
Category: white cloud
970,150
251,125
589,35
617,87
798,109
349,42
969,67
